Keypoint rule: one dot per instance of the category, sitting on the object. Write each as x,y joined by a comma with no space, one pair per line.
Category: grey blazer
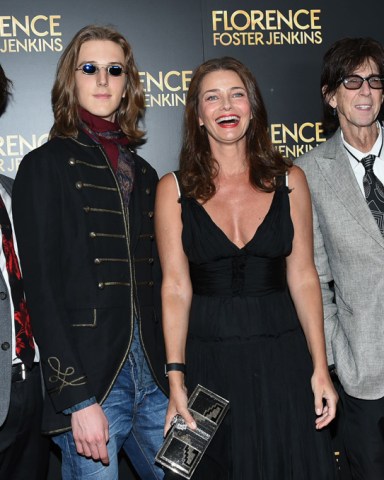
349,249
5,333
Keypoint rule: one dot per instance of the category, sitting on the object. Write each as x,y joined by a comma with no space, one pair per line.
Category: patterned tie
25,348
374,191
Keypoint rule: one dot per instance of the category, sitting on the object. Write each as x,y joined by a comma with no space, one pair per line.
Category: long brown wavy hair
64,101
198,168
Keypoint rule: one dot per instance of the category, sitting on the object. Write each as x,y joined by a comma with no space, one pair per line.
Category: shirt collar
375,150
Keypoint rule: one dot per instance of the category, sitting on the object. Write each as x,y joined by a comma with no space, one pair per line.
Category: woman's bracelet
172,367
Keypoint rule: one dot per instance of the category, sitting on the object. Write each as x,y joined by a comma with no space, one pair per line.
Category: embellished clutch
183,448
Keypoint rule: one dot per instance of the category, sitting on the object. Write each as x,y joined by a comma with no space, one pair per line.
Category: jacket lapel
6,182
337,171
135,208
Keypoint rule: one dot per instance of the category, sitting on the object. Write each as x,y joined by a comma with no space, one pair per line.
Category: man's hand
91,433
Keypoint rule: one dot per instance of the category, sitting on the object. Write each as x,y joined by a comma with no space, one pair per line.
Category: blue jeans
135,409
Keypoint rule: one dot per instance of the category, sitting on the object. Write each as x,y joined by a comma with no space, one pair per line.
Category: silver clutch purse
183,448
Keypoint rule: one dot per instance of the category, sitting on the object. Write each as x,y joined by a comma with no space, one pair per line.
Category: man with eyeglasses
83,206
346,176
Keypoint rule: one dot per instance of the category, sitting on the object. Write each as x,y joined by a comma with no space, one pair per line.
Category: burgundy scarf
115,144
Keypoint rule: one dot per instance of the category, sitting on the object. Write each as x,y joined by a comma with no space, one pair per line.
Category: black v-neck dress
246,344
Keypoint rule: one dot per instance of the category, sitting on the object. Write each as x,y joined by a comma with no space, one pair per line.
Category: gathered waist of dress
239,276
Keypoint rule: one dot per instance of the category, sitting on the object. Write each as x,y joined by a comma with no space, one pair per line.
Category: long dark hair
5,90
64,100
342,59
197,166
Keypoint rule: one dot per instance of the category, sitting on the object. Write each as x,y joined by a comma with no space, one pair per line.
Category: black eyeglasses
92,69
354,82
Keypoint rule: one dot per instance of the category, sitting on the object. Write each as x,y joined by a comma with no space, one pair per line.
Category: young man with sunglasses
83,207
346,177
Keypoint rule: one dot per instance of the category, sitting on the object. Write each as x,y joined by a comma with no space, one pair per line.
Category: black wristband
178,367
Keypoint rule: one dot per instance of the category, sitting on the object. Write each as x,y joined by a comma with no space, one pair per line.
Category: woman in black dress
241,297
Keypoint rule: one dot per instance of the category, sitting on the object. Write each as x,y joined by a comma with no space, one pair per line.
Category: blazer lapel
7,183
337,171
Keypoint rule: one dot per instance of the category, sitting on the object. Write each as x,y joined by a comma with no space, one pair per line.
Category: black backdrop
282,41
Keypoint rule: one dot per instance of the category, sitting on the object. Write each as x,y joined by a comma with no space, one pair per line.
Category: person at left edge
24,452
83,207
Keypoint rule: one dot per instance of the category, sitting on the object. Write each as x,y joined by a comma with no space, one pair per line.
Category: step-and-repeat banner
281,41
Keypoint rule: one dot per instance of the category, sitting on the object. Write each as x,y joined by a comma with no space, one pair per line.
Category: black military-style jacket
89,269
